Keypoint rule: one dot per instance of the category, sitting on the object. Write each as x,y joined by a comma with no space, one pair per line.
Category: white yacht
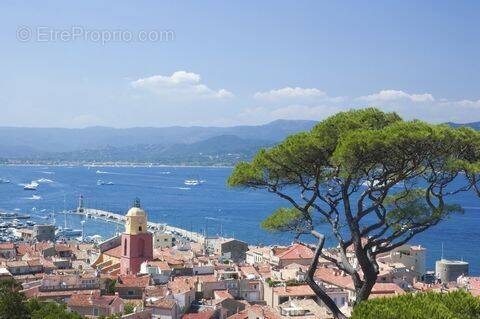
191,182
100,182
31,187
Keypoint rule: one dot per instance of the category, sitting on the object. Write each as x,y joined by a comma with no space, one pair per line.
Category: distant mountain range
166,145
474,125
174,145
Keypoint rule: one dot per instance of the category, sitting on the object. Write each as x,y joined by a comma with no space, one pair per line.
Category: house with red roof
159,270
297,253
334,277
183,290
7,250
95,305
132,286
163,308
275,296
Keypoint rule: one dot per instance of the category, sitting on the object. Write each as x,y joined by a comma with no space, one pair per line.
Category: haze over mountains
166,145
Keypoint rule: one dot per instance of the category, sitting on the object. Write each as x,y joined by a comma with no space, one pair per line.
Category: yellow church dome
136,211
136,220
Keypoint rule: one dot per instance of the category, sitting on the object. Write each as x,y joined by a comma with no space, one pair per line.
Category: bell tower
137,242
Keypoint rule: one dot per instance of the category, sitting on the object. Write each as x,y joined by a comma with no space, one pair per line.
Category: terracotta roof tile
7,246
161,303
133,281
222,294
201,315
296,251
162,265
294,291
114,252
82,300
263,312
337,278
181,285
62,247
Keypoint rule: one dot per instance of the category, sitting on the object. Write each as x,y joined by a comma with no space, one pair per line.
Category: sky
224,63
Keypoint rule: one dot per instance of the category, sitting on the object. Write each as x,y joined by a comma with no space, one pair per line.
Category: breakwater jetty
152,226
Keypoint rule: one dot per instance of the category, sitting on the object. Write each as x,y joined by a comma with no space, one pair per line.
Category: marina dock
120,219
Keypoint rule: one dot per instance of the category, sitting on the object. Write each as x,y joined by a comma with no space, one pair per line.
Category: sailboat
66,231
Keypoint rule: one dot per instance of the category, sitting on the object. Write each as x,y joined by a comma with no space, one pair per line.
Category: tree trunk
322,295
363,293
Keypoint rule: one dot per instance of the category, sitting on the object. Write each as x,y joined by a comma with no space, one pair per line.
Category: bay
210,207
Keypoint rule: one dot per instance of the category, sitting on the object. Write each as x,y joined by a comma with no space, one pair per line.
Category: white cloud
289,92
180,85
392,95
286,104
463,103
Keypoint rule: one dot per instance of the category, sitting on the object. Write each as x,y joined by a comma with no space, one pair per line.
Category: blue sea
210,207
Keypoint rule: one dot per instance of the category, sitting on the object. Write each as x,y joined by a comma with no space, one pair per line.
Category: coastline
112,165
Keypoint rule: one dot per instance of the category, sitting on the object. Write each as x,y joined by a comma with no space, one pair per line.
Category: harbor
152,226
13,225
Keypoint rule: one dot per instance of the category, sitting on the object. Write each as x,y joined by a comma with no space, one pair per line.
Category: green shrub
454,305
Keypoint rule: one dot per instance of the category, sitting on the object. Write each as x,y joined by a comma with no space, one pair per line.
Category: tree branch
324,297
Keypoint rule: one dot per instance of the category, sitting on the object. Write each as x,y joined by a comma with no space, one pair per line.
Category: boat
96,238
31,187
69,232
7,215
100,182
30,223
17,224
191,182
4,181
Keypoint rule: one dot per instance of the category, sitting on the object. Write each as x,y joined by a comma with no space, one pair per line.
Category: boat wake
44,180
212,218
34,197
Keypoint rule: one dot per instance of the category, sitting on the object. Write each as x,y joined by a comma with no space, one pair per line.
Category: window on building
125,247
139,228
